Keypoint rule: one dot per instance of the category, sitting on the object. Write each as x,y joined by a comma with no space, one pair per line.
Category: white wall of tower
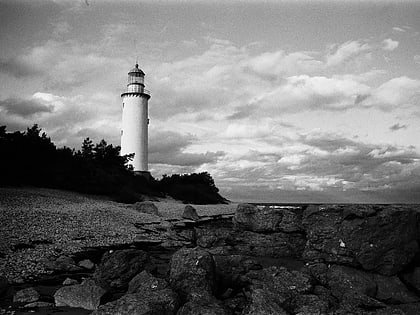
134,137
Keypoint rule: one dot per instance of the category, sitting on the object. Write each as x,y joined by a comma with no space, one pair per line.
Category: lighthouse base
144,174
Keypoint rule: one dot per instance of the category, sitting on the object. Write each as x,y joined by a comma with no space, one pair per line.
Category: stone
250,217
190,213
261,304
69,281
86,295
87,264
193,273
39,304
4,285
413,278
145,281
355,289
274,289
27,295
147,302
275,245
146,207
377,238
308,304
117,268
392,291
63,264
411,308
206,306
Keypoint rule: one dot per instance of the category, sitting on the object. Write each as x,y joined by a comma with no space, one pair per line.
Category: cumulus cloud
24,107
168,147
389,44
345,52
326,162
398,29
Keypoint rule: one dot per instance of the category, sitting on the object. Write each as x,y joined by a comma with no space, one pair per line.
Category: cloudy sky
288,101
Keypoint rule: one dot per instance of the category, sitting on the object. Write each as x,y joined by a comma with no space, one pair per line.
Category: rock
162,302
69,281
145,281
355,289
87,264
309,304
117,268
206,306
413,278
411,308
392,291
275,289
250,217
192,272
27,295
146,207
39,304
86,295
261,304
275,245
190,213
377,238
63,264
4,284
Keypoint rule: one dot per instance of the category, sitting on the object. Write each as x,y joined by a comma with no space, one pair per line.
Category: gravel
38,224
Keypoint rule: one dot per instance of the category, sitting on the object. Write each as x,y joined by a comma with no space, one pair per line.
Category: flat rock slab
86,295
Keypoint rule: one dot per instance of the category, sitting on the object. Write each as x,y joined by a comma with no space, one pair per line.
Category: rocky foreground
323,259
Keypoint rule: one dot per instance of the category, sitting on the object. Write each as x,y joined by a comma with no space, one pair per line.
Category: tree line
31,158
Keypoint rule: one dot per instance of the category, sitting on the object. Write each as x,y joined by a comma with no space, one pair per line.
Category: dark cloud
24,108
168,148
16,68
360,98
397,127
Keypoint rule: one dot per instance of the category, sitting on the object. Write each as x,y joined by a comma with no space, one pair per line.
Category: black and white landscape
281,137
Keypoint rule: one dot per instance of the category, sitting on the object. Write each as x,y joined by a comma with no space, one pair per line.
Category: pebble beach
40,224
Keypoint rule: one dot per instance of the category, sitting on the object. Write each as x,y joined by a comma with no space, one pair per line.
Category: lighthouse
135,120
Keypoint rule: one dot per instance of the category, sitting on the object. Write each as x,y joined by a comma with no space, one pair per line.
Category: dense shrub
31,158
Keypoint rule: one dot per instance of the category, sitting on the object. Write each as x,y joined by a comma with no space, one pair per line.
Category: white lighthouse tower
135,120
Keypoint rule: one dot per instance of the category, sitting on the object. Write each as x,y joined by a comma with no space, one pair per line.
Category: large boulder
146,207
276,289
358,290
190,213
193,273
274,244
117,268
392,291
377,238
27,295
250,217
144,281
413,278
86,295
146,295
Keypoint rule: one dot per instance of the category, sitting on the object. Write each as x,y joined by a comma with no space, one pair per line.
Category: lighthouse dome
136,71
